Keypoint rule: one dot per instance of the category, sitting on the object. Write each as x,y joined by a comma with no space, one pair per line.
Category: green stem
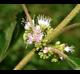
27,15
26,12
58,30
25,60
72,63
72,26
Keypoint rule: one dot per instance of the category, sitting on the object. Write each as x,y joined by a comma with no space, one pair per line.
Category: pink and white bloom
37,34
37,29
30,38
28,25
46,49
43,21
37,37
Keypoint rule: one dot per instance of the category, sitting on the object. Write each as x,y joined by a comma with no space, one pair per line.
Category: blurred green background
12,47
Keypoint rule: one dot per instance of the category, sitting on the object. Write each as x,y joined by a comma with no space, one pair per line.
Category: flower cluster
47,52
35,34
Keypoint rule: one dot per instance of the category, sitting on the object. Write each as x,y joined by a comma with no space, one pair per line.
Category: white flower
45,50
61,58
28,25
43,21
37,29
68,49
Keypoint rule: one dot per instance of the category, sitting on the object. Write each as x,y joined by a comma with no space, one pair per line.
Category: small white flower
68,49
27,26
61,58
45,50
37,29
43,21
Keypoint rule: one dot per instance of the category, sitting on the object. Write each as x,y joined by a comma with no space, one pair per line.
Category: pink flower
30,38
46,49
34,37
37,34
37,37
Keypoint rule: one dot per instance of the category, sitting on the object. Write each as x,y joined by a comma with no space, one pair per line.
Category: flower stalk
58,30
70,27
25,60
27,14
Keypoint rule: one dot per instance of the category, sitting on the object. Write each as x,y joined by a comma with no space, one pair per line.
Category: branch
58,30
25,60
27,14
72,26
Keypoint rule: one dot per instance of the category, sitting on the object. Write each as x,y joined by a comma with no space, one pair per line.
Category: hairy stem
27,14
58,30
25,60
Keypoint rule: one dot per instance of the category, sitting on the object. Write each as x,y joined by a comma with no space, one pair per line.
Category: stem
27,14
65,57
25,60
72,63
78,68
75,25
57,31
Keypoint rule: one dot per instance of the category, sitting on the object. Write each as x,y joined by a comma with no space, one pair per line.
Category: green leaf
8,36
7,25
2,39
